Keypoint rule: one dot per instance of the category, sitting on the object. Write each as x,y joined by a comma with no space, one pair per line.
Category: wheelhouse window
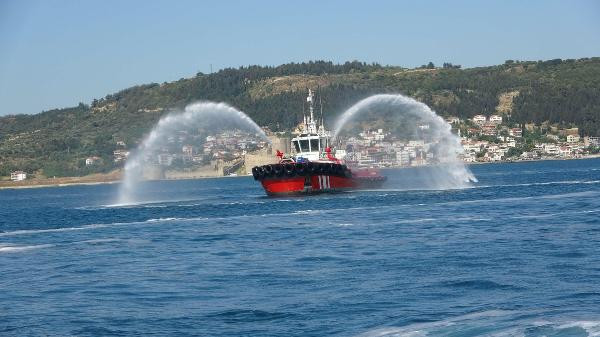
297,146
314,144
304,145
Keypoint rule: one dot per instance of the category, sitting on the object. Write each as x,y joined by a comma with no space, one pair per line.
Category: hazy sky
58,53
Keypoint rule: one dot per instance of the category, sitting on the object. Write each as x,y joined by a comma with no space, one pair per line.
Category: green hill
56,142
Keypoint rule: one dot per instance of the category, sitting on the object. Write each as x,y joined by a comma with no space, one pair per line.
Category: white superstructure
314,139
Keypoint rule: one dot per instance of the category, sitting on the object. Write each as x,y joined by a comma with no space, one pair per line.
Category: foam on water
494,323
16,249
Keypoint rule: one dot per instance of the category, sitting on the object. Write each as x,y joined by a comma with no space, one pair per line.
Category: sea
515,254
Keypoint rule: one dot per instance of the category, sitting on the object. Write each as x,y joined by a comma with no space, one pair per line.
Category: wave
92,226
96,241
50,230
15,249
479,285
245,316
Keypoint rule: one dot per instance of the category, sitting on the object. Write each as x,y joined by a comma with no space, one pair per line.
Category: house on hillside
572,138
188,150
91,161
18,176
489,129
515,132
453,120
591,141
479,119
120,155
496,119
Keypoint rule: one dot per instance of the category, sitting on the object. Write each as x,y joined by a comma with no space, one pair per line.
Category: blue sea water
518,254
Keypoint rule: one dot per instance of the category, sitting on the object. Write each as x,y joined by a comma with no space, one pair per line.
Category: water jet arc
209,115
452,173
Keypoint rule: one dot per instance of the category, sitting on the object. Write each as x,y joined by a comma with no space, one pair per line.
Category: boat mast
309,123
322,126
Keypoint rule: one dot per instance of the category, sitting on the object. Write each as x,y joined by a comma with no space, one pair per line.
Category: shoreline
85,180
591,156
112,178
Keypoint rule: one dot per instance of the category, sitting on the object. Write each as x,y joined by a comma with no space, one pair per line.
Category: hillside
56,142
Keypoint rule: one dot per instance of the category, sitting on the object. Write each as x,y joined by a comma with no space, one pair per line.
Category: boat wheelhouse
312,142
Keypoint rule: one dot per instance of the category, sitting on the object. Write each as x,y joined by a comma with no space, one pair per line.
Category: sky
57,53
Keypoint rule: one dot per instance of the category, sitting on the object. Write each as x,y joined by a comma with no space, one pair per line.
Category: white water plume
405,119
210,117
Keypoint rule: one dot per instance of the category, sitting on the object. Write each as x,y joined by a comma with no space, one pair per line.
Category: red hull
319,183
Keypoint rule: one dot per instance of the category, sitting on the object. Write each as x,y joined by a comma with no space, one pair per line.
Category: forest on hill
57,142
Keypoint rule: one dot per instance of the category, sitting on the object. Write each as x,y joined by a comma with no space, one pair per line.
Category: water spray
449,171
216,117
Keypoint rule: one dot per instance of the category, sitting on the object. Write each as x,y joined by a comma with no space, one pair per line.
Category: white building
165,159
91,160
187,150
564,151
594,141
18,176
473,148
496,119
515,132
120,155
572,138
479,119
403,158
551,149
416,143
453,120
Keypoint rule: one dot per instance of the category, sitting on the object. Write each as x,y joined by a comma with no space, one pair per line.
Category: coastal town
483,139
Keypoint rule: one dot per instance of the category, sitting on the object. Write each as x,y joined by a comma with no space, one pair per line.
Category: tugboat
312,168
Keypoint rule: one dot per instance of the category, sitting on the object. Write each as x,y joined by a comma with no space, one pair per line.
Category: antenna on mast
321,105
304,115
